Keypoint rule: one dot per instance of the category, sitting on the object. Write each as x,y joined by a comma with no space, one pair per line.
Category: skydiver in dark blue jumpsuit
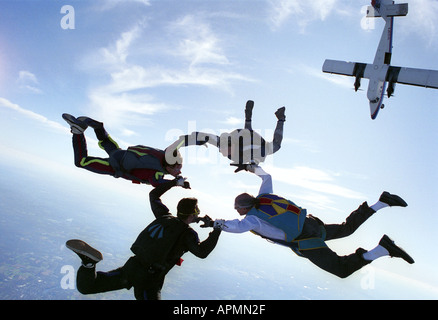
157,249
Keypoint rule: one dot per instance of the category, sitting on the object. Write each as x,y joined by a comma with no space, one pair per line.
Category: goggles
195,213
236,206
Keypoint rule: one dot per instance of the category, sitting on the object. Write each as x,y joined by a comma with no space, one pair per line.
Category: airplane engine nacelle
390,90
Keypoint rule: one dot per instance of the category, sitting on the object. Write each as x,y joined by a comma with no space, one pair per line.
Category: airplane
380,73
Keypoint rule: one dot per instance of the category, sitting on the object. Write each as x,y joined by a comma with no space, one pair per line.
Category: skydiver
140,164
157,249
281,221
244,146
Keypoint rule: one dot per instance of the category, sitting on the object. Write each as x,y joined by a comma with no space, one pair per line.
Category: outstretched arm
239,226
234,226
194,139
204,248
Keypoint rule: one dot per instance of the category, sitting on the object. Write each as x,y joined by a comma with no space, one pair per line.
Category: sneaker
76,126
392,200
91,122
394,250
280,114
88,254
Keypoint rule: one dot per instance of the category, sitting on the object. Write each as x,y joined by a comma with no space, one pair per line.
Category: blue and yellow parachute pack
281,213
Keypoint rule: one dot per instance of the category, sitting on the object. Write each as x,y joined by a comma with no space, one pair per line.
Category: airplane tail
386,8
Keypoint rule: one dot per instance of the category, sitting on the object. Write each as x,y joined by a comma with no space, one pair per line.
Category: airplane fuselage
377,75
376,90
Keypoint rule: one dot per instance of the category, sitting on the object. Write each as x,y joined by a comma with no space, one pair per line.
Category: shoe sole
85,249
73,122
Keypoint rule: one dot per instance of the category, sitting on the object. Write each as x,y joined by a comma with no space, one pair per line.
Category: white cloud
233,121
111,4
346,82
198,44
28,81
316,180
303,12
313,188
282,10
322,8
113,58
32,115
424,15
26,76
192,53
125,108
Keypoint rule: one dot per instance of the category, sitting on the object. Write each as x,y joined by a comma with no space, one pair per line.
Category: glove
247,167
181,182
208,222
219,224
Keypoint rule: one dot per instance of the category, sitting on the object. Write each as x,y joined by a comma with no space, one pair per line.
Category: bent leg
82,160
341,266
353,221
109,145
105,141
89,281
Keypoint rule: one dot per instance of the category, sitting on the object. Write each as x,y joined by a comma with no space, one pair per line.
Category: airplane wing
354,69
412,76
339,67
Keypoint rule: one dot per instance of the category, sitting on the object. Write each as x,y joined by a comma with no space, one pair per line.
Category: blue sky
153,70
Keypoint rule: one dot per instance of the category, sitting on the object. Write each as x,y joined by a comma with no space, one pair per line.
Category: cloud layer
194,56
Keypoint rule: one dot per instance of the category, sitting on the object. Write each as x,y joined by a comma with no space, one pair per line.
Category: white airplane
380,72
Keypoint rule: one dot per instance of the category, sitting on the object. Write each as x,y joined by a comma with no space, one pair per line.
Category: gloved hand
208,222
181,182
247,167
219,224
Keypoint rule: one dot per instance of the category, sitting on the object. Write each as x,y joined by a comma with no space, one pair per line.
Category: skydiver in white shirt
283,222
